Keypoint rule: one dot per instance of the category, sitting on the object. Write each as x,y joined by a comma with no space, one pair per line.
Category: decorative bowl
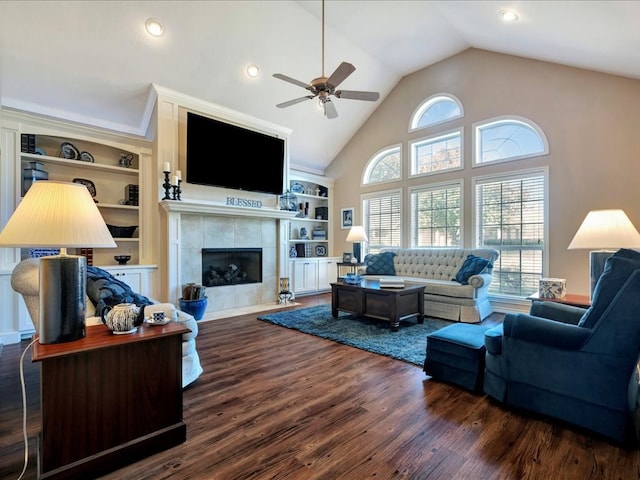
352,278
121,232
122,259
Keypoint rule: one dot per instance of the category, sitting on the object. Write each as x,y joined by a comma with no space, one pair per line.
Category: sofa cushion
472,265
105,290
617,269
380,263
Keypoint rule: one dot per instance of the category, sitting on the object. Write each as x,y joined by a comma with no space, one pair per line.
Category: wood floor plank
274,403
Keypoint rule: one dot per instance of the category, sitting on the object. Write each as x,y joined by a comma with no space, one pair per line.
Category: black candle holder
167,186
179,191
175,192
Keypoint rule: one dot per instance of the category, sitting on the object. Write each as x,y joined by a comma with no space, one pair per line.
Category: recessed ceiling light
508,15
253,71
154,27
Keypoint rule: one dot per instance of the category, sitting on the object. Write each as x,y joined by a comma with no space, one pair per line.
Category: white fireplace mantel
211,208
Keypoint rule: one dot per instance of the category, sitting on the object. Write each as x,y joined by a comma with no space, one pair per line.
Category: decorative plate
86,157
321,251
87,183
69,151
297,188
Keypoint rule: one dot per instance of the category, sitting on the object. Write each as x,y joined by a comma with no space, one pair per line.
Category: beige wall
592,124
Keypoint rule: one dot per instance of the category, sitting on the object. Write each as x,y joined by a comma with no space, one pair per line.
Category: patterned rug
407,344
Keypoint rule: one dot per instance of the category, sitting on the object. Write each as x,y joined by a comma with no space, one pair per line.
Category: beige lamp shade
357,234
56,214
606,229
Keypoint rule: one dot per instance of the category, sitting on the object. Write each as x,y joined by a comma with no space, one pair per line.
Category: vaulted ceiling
92,61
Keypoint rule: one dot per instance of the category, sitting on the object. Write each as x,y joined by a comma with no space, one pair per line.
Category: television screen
220,154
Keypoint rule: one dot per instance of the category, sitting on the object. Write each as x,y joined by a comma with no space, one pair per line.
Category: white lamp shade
357,234
56,214
606,229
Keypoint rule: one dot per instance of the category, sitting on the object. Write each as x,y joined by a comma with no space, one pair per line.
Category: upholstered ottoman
455,354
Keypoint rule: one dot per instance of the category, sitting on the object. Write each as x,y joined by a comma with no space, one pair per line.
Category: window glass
436,154
508,139
385,166
436,109
436,216
382,220
510,217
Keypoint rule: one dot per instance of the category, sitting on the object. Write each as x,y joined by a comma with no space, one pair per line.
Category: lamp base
357,252
597,259
63,289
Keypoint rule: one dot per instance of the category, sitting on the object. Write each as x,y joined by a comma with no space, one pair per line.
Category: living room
588,117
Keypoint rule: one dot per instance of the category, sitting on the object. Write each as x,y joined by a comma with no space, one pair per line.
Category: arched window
436,109
384,166
508,138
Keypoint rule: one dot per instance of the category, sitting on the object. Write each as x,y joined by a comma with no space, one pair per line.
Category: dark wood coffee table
370,300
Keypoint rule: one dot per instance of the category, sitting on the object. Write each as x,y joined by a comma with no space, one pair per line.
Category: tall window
384,166
436,216
510,217
383,219
436,154
436,109
508,138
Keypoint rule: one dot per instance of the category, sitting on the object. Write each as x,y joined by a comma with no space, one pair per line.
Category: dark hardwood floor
275,403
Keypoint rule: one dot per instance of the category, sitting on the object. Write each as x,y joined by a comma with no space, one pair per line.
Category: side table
347,267
575,300
109,400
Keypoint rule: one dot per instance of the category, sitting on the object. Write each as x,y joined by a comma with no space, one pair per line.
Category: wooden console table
109,400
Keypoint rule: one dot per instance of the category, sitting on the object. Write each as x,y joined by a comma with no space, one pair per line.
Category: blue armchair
575,365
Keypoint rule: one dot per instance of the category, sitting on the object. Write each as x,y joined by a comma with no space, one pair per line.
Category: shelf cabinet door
305,276
327,272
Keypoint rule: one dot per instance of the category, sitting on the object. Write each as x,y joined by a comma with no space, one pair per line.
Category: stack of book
391,282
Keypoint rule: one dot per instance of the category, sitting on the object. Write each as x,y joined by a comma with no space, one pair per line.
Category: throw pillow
104,290
472,265
380,263
617,269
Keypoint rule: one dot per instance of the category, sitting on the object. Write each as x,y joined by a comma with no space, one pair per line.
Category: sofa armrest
557,311
480,280
542,331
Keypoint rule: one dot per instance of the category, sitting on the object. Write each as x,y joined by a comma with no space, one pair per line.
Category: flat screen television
223,155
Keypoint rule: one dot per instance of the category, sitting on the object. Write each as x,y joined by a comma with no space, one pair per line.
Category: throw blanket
104,290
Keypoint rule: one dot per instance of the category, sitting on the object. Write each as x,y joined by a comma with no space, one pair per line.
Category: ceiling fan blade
357,95
330,109
342,72
292,80
294,101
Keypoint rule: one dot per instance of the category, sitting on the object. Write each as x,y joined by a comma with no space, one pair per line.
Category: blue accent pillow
104,290
380,263
472,265
617,269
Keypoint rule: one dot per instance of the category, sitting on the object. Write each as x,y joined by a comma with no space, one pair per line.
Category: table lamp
59,215
357,235
606,231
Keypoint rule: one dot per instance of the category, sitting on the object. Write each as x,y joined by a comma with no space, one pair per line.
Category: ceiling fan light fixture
508,15
253,71
154,27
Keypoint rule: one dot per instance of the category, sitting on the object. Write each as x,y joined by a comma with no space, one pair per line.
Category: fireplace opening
231,266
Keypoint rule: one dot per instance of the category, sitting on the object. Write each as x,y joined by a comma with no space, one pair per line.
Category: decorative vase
194,307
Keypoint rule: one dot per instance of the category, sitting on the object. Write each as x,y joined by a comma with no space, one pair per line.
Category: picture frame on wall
346,217
346,257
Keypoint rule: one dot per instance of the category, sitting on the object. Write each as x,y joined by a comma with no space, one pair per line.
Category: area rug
407,344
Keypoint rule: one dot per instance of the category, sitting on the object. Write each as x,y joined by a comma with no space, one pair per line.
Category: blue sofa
572,364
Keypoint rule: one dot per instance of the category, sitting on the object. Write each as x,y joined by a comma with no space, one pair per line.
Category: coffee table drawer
349,300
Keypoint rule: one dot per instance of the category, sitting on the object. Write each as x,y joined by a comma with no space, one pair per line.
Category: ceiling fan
323,87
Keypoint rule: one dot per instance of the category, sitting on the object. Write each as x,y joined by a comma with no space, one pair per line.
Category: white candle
174,180
167,167
179,174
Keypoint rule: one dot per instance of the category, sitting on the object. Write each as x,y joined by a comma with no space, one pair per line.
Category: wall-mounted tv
224,155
